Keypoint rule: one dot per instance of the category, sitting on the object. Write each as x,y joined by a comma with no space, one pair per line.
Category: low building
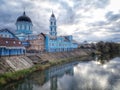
36,43
9,44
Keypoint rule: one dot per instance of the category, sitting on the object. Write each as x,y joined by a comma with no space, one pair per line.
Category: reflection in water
55,73
98,77
53,83
82,76
46,80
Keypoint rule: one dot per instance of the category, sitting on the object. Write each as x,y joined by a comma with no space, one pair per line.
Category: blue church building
54,43
14,44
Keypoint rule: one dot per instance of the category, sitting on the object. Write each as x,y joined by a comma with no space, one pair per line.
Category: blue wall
59,44
9,52
54,43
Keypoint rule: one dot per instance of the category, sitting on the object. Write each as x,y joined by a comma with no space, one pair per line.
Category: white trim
12,47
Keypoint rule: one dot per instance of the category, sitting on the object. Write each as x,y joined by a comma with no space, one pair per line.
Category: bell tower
53,26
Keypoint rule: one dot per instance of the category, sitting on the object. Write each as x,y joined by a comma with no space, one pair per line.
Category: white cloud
85,20
114,6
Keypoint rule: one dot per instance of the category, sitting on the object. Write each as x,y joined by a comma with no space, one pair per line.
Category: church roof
52,15
74,41
9,31
10,42
24,18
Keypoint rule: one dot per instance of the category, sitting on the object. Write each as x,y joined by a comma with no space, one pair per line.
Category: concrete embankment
14,68
16,63
59,55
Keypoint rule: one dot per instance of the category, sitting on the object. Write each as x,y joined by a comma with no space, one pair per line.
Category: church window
25,27
20,26
5,35
29,27
14,42
51,23
6,41
54,23
51,28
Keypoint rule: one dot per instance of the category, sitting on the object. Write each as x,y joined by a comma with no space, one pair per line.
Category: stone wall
63,55
14,63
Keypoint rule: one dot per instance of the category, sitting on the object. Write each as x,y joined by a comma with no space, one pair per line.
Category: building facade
9,44
37,43
51,42
54,43
24,28
33,43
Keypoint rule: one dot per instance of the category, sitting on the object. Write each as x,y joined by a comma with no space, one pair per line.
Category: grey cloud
99,23
67,17
9,14
9,11
112,17
91,3
70,17
113,29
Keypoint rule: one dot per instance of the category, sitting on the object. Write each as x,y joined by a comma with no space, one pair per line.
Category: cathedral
51,42
42,42
24,40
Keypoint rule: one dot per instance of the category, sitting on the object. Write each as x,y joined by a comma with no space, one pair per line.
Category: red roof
10,42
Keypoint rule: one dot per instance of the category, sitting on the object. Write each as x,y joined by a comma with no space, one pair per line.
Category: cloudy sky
91,20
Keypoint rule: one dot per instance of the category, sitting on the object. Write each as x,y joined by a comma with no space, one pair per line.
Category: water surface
74,76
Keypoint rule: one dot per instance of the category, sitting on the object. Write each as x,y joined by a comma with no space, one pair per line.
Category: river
89,75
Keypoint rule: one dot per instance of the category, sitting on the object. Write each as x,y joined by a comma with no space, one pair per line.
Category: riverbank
35,63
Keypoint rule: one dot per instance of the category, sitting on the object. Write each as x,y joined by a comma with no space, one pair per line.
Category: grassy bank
15,76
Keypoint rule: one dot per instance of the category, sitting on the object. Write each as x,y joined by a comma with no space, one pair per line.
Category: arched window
29,27
51,28
54,23
25,27
20,26
51,23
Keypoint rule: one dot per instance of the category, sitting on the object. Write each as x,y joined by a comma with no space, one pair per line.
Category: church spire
52,15
24,13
